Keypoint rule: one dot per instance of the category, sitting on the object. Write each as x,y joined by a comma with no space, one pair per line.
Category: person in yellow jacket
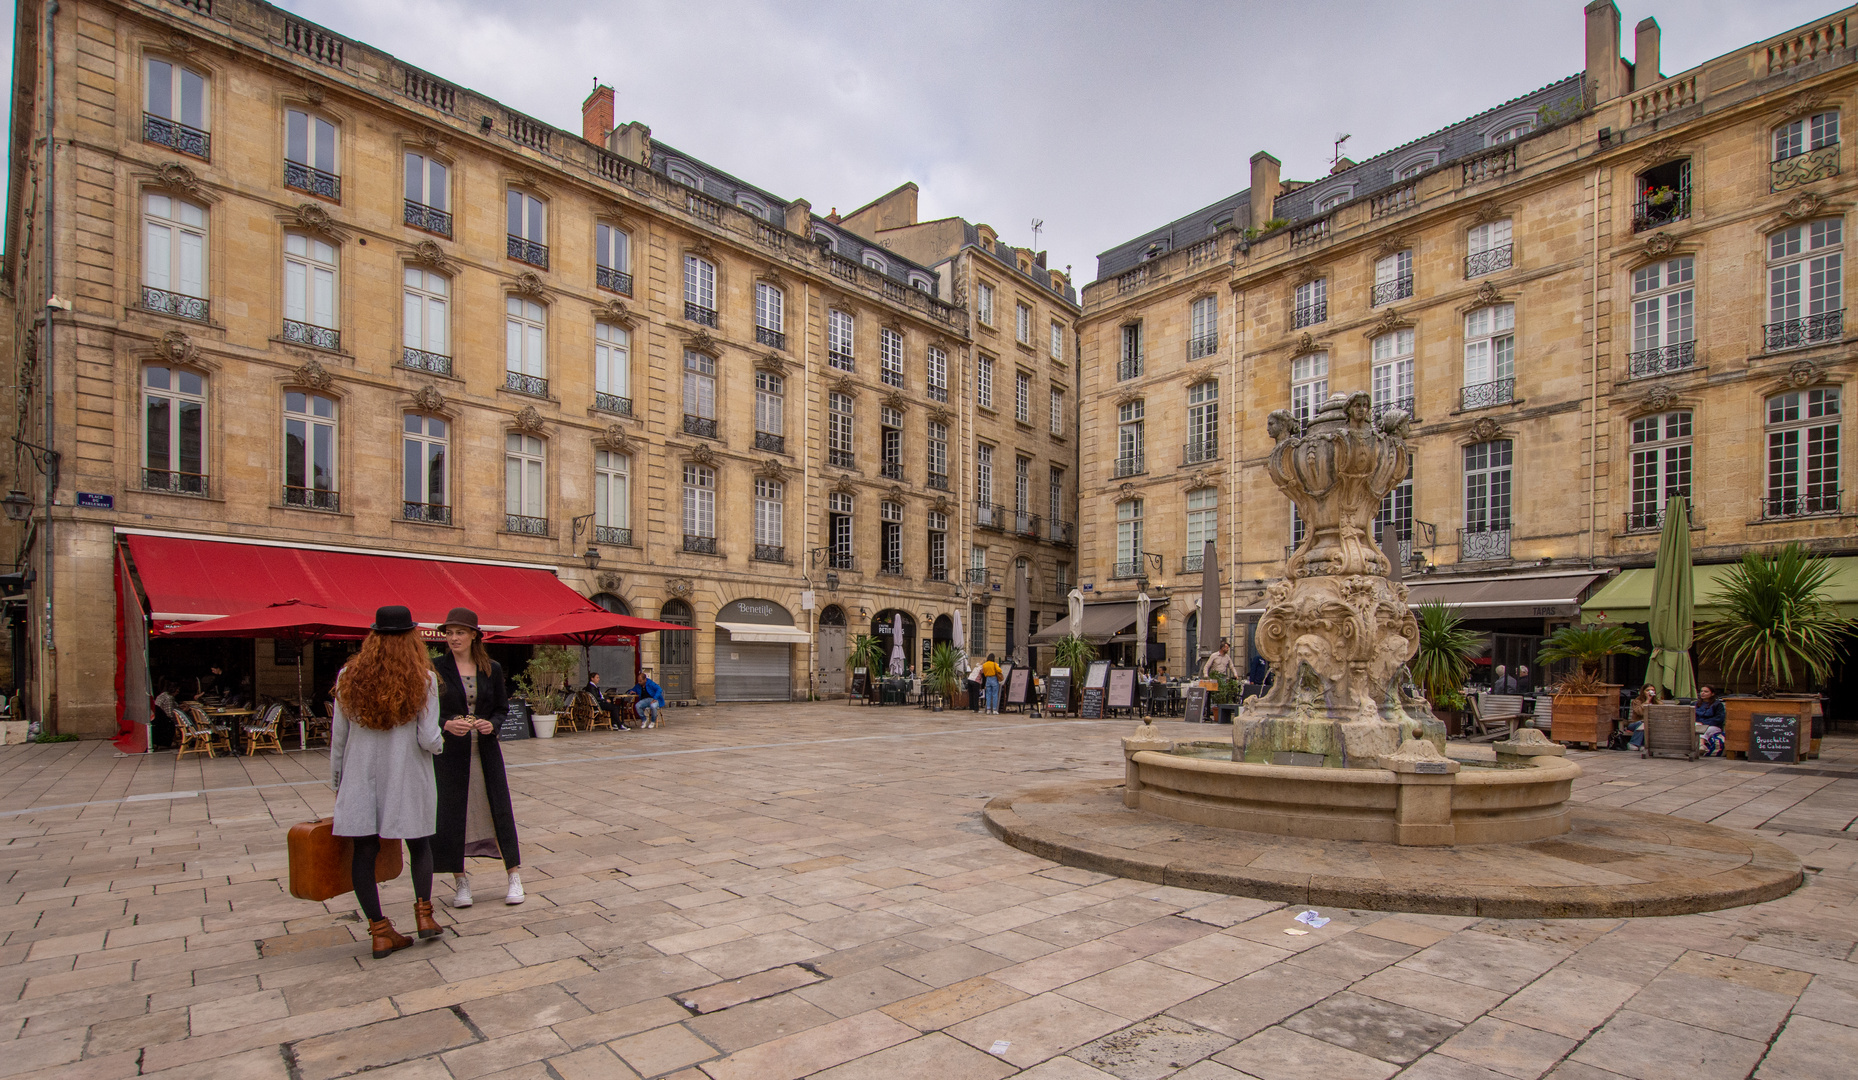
990,682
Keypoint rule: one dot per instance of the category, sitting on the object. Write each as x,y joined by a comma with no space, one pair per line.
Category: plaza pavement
775,892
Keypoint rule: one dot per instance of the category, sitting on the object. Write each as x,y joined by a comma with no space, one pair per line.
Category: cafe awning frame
1103,622
1550,595
1628,597
765,634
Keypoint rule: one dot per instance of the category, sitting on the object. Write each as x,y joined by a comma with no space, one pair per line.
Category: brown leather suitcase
321,862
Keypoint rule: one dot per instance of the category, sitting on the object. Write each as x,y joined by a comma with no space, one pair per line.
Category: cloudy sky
1104,119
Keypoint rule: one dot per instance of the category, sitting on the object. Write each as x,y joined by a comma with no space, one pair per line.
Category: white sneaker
515,895
462,898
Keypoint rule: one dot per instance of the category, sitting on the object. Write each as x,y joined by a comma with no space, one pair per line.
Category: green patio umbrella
1672,599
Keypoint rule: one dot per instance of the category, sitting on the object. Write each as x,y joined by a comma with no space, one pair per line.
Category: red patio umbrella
583,628
297,622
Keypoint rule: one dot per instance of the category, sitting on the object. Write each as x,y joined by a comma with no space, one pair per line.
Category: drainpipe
49,648
806,483
1593,400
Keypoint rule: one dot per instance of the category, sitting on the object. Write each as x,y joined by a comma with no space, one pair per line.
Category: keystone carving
679,587
313,93
1484,429
844,385
182,44
702,454
177,177
1665,150
844,487
1804,102
431,254
1393,245
772,470
774,278
894,400
1390,321
177,348
939,415
1199,479
529,420
1805,204
1658,399
608,583
941,506
529,284
702,342
311,374
1306,343
614,311
895,494
771,364
314,219
429,399
431,139
1202,374
614,438
1488,213
1126,490
1660,244
1803,373
1488,293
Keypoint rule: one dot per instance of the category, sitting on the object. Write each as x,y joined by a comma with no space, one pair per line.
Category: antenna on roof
1339,140
1038,226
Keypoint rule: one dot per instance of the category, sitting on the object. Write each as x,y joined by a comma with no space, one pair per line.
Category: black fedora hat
461,616
393,619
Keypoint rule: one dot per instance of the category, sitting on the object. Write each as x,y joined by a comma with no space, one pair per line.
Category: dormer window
876,262
1330,202
1511,132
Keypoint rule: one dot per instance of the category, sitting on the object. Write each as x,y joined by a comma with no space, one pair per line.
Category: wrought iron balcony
1386,292
891,568
533,385
1025,524
312,498
841,459
1204,345
774,444
1193,564
838,559
893,376
529,526
938,481
1643,519
612,403
613,280
171,303
175,483
704,427
1488,262
975,575
1310,314
1129,368
528,251
421,360
772,338
1799,333
1126,568
1660,207
1129,465
841,360
316,337
613,534
700,545
421,216
303,177
431,513
1203,450
1062,533
1382,408
1810,503
1484,395
989,515
1802,168
770,553
937,573
176,136
1483,543
891,470
1681,356
697,313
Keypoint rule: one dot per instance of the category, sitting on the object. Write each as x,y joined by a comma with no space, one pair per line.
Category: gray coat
383,779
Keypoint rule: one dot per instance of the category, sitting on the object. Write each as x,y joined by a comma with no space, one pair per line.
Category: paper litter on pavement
1312,920
999,1047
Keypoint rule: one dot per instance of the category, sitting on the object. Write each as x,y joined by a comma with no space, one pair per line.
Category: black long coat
452,767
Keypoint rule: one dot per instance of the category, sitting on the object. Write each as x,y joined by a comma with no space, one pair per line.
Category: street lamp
18,505
592,554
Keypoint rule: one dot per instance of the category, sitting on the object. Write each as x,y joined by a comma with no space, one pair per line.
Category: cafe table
235,733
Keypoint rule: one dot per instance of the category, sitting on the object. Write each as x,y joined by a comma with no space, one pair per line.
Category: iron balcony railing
1484,395
1386,292
430,219
841,459
841,360
303,177
421,360
1660,207
1062,533
533,385
528,251
1802,168
613,280
1799,333
1662,360
1126,568
938,481
890,568
891,470
1387,405
528,526
938,393
771,338
1488,262
1129,368
1204,345
893,376
774,444
317,337
1801,504
613,534
975,575
612,403
1025,524
1202,450
1129,465
938,573
175,483
701,545
703,427
989,515
171,303
1641,519
431,513
176,136
770,553
1483,542
1193,564
838,559
312,498
1310,314
699,314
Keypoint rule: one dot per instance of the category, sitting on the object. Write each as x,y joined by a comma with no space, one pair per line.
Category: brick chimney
1645,54
1265,187
597,115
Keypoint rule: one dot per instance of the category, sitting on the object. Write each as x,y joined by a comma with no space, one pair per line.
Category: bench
1493,716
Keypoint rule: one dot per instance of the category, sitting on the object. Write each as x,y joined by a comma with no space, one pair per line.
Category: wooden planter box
1737,710
1586,718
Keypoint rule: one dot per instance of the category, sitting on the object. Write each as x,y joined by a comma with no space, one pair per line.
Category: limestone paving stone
1377,1028
1279,1054
1151,1049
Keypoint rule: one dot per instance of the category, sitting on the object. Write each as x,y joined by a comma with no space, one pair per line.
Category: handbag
322,863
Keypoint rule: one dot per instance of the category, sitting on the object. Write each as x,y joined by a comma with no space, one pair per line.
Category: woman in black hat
474,792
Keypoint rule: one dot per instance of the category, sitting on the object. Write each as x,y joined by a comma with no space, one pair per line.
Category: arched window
839,507
174,257
1392,373
310,451
528,228
1806,285
1393,277
175,108
1309,384
770,315
428,194
525,346
612,369
699,290
1486,500
1312,303
1660,467
310,155
1663,195
310,292
1202,525
1489,247
1803,453
425,440
840,332
1129,538
612,497
613,258
525,491
1489,357
1663,317
876,262
426,321
174,430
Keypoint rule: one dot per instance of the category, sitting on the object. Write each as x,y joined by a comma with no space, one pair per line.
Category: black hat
461,616
392,619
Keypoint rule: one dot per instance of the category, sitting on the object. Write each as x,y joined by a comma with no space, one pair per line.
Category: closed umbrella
896,644
1209,606
1022,616
1076,600
1142,603
1673,595
960,641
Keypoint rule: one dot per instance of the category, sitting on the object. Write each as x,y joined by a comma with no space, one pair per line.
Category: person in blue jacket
648,700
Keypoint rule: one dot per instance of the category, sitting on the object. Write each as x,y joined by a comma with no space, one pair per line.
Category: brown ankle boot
387,940
422,919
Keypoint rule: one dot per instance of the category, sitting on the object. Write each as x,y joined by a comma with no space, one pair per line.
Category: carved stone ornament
614,438
771,364
844,487
939,415
1488,293
608,583
1658,399
1126,490
772,470
1202,374
702,454
942,506
1199,479
1306,343
1664,150
1484,429
1393,245
429,253
1390,321
177,348
181,43
429,399
529,284
702,342
896,494
679,587
773,277
1804,102
1126,396
313,93
894,400
1308,274
1805,204
529,420
431,138
1660,244
1803,373
177,177
613,311
701,246
1488,213
525,178
844,385
311,374
314,219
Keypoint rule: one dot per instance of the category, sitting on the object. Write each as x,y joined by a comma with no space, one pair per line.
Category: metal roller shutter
750,671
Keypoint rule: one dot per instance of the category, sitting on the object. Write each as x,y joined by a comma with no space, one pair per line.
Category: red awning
188,579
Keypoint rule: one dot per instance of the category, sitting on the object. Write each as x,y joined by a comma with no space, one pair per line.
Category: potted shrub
543,684
868,652
1586,709
945,676
1443,661
1075,652
1778,628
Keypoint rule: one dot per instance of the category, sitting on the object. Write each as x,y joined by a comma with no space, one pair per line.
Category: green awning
1628,597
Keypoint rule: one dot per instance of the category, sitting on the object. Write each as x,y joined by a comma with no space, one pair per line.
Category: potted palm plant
868,652
1586,708
1074,651
1777,628
945,676
1443,661
543,684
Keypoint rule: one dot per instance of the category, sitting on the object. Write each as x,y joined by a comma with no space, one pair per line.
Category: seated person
648,700
1710,718
593,684
1648,696
166,718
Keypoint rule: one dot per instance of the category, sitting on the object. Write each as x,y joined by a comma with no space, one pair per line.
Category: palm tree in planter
1586,709
868,652
945,675
1778,627
1076,652
1443,661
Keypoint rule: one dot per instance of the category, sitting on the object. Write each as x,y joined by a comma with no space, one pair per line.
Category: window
1489,356
174,430
1131,365
890,537
1202,525
1298,530
1022,487
525,497
1663,195
1202,422
770,412
839,333
175,109
984,303
1393,277
1487,492
839,430
174,257
1512,132
938,455
935,364
770,530
984,382
1663,331
770,315
699,394
310,451
1488,249
984,479
1057,411
1660,467
1054,499
938,546
1309,384
1128,539
613,259
977,625
1806,296
528,225
839,531
612,369
309,155
525,346
1312,302
309,292
612,497
1130,443
1330,202
699,505
1022,397
1396,512
1803,453
424,325
1392,374
1410,171
891,443
699,290
876,262
423,445
890,357
1805,135
1204,338
1022,324
1057,341
428,194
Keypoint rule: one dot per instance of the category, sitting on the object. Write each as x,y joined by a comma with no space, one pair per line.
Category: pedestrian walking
475,818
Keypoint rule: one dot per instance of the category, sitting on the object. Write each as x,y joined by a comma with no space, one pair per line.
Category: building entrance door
676,656
832,651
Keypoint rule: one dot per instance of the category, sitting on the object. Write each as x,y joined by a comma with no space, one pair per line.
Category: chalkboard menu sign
1058,690
1195,711
858,682
1019,686
1096,682
1122,688
515,722
1773,737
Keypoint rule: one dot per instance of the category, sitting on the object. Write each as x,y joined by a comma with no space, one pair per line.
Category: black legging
367,893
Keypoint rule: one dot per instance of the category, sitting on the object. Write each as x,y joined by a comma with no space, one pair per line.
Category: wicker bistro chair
597,717
198,735
261,731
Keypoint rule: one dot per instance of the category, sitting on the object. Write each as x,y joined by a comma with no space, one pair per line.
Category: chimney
1606,71
597,115
799,216
1645,54
1265,170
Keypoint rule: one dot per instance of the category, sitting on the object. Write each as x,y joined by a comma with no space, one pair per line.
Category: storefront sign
1058,690
1774,737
